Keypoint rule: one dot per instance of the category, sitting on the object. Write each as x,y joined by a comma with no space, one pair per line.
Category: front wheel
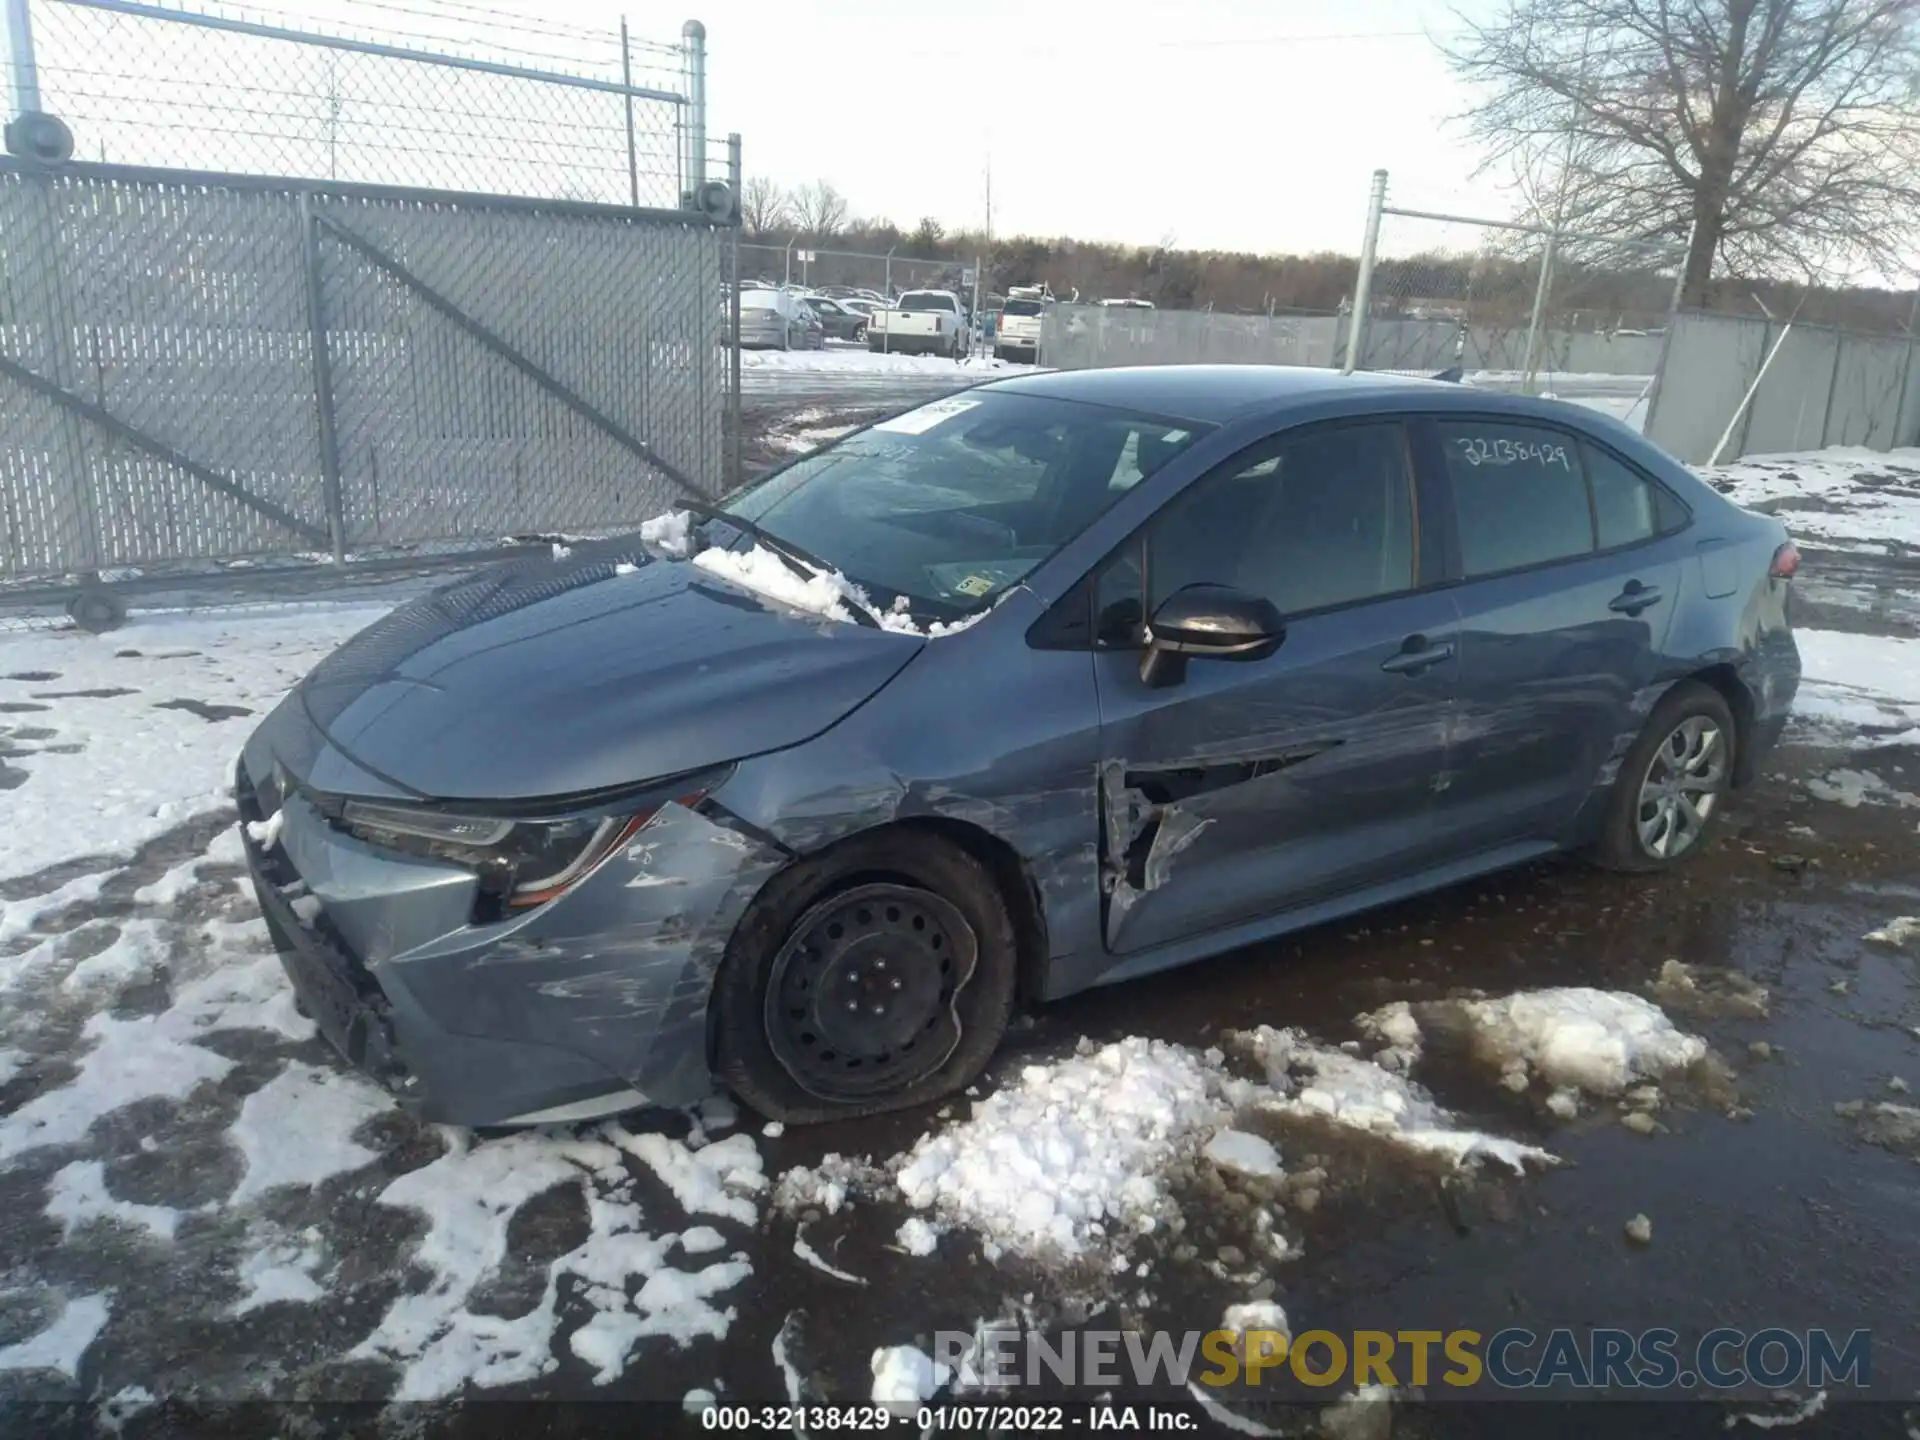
859,333
1673,782
877,976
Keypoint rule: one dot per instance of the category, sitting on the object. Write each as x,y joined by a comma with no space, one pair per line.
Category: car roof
1213,394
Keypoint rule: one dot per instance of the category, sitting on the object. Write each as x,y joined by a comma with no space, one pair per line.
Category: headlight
522,861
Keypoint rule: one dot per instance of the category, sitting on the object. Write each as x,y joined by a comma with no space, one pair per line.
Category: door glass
1626,505
1307,521
1518,495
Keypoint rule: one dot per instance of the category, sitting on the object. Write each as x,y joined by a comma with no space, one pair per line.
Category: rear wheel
877,976
1673,782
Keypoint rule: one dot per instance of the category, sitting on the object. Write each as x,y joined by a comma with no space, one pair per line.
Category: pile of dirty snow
1575,1038
1072,1152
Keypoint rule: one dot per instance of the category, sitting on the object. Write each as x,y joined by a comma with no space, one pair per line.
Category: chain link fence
1516,304
268,368
888,275
439,96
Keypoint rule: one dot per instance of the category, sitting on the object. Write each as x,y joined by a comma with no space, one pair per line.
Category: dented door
1254,787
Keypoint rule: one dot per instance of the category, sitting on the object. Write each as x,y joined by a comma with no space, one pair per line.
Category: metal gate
197,366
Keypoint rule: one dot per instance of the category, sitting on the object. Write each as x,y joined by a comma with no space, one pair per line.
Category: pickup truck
1018,337
922,322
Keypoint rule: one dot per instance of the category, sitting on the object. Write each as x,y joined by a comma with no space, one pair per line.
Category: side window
1518,495
1308,521
1626,505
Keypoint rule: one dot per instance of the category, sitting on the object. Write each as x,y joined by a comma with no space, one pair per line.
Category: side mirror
1214,622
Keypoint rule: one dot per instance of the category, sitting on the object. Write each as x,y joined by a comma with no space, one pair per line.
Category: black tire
1622,845
859,334
747,1056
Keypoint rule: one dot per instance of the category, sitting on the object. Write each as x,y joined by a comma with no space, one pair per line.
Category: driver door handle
1417,653
1635,598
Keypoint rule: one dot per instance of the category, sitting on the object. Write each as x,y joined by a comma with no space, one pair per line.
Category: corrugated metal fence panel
179,306
1711,359
1867,389
1789,410
1825,387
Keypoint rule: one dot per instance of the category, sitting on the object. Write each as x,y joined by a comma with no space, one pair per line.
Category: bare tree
764,207
820,210
1779,135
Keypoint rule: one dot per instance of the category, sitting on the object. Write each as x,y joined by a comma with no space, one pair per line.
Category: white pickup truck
921,322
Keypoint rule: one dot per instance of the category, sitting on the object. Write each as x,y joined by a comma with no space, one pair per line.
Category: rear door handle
1635,598
1417,654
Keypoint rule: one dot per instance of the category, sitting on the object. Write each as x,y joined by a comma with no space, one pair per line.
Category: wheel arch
1724,679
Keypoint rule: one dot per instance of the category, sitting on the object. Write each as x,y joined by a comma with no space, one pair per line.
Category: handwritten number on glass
1479,450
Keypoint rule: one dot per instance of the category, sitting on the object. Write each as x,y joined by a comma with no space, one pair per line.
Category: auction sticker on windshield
918,422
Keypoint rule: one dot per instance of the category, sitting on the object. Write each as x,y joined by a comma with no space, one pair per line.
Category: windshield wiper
803,563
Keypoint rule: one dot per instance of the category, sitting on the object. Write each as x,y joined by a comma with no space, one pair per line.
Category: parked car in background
923,322
1127,304
1128,668
1018,337
778,320
842,322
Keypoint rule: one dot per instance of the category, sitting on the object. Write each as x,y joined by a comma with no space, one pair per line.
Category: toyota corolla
1059,681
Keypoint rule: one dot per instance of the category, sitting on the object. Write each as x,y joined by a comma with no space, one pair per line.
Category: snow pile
668,533
1867,687
859,360
1072,1152
1575,1038
828,593
1847,498
1309,1080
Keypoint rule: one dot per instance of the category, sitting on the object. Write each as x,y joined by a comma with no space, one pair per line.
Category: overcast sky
1236,124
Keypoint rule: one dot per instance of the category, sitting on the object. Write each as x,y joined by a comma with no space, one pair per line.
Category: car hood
560,677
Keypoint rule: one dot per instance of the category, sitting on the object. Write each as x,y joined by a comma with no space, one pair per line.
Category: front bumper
589,1005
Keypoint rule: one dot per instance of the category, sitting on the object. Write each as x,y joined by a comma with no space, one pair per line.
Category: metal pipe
367,47
633,157
1533,321
1747,399
695,34
330,493
1363,286
26,72
734,172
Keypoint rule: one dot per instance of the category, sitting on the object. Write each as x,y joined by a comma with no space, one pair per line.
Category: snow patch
1247,1153
718,1179
1851,788
77,1195
904,1376
819,1262
668,533
279,1273
917,1237
62,1344
297,1129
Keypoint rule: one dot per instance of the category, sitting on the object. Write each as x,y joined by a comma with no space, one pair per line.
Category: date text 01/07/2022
927,1419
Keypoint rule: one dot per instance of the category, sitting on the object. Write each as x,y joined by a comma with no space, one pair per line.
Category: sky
1229,124
1250,125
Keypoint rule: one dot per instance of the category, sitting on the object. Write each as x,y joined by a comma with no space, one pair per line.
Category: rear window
759,300
1023,307
925,301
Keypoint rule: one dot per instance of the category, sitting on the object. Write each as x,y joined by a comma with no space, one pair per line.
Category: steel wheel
860,1000
1682,787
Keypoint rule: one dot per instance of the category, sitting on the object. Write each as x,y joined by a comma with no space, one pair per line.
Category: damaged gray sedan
1058,681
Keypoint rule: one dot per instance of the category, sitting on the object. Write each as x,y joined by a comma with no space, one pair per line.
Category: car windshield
948,505
925,302
1023,307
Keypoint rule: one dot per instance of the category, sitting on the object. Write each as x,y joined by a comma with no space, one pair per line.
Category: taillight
1786,562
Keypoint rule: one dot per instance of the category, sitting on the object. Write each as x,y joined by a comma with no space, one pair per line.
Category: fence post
626,78
322,381
1531,354
26,73
734,476
695,34
1363,285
